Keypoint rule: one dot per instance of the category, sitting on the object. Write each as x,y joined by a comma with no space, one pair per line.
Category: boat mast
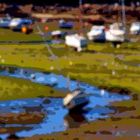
80,17
123,14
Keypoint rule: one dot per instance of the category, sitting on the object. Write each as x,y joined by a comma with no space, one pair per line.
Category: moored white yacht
135,28
115,33
5,22
97,33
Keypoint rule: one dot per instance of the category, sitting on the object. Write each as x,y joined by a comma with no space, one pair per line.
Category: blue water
56,117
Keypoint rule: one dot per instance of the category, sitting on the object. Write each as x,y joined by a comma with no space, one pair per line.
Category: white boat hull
111,37
75,100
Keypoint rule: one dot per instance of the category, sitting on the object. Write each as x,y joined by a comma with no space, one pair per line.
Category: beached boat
64,24
5,22
135,28
75,100
76,41
97,34
17,23
115,34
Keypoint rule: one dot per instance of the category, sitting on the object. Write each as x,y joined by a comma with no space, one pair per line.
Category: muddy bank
120,90
13,122
56,117
123,129
21,118
11,130
123,124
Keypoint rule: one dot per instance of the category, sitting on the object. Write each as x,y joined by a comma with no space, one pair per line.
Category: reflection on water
56,117
73,120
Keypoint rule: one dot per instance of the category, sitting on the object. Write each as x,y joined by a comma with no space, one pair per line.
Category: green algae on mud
14,88
100,65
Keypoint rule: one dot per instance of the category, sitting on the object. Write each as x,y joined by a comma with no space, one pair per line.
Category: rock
46,101
12,137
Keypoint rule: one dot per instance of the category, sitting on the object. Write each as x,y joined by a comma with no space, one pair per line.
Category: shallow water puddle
56,117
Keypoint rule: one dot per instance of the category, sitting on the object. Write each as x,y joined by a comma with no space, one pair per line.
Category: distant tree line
64,2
